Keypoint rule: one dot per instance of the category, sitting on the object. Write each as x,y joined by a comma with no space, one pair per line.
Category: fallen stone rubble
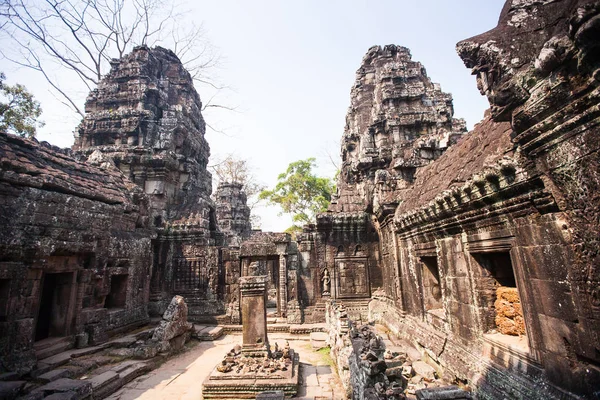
97,371
374,368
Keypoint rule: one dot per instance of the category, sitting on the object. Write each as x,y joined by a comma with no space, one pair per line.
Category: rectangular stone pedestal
253,291
246,386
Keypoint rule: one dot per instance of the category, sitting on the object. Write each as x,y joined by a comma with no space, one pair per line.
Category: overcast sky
291,65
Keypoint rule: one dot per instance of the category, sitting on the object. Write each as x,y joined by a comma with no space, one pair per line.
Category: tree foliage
79,38
300,193
19,111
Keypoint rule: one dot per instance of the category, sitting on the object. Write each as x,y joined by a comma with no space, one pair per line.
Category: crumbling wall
68,228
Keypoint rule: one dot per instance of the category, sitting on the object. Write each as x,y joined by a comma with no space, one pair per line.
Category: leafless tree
83,36
233,169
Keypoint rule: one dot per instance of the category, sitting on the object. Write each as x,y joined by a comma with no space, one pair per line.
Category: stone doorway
54,310
273,306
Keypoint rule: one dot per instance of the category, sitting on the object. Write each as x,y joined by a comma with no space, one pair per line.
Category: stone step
63,396
48,342
112,380
82,389
48,348
318,340
86,351
103,380
54,375
207,333
51,363
9,376
124,341
10,390
304,329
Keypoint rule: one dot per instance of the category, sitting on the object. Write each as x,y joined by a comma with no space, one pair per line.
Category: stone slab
57,360
63,396
309,375
304,329
9,376
443,393
124,341
133,372
88,350
103,379
208,333
124,365
318,340
54,375
424,369
56,348
82,388
10,389
271,395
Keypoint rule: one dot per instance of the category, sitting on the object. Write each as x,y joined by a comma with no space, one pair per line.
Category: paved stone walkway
181,377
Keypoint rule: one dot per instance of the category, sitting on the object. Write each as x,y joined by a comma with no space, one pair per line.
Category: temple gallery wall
479,248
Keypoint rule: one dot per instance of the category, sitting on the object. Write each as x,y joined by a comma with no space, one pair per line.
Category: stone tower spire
398,121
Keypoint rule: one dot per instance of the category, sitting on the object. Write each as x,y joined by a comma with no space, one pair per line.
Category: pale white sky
291,65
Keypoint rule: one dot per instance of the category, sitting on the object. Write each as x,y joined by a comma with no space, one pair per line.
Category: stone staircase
94,372
51,346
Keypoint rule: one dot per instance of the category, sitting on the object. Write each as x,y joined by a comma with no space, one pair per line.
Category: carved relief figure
212,281
326,282
254,268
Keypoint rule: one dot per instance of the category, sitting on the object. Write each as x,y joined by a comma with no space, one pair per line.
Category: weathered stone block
443,393
174,322
10,390
425,370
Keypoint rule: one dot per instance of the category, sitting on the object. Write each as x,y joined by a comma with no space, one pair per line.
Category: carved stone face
531,38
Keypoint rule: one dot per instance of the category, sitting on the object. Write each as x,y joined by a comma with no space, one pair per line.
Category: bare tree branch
83,36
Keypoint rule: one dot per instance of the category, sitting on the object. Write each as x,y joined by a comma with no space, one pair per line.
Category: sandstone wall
68,228
512,204
145,118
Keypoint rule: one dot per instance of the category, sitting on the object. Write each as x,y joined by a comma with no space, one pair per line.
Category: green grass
325,356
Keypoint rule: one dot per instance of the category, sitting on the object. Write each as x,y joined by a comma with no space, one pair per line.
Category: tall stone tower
233,213
145,117
398,121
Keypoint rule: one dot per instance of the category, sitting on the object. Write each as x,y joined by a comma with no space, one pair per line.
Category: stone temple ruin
479,248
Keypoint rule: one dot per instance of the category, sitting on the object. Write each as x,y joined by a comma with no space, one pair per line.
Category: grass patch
325,356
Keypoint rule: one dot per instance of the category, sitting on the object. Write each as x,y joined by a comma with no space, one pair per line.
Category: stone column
283,285
253,291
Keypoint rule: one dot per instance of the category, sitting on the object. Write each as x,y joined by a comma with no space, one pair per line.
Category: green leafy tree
300,193
19,111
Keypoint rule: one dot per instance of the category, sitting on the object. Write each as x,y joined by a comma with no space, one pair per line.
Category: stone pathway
181,377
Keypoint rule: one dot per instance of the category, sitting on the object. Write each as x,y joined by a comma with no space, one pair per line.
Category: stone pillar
282,285
253,291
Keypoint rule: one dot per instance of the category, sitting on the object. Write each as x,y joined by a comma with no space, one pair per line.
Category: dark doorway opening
53,313
4,298
118,292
